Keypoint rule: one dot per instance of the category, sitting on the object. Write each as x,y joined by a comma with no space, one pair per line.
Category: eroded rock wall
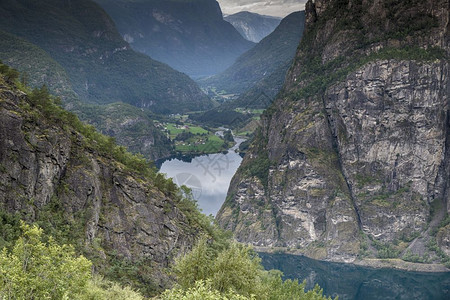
45,165
354,153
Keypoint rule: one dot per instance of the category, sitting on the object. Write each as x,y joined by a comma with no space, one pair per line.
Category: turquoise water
355,282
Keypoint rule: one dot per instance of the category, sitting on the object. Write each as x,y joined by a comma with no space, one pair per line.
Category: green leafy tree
212,271
201,290
38,270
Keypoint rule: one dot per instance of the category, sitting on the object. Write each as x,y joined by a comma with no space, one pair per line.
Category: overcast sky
279,8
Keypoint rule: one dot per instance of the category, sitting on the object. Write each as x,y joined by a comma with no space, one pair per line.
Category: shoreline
189,156
374,263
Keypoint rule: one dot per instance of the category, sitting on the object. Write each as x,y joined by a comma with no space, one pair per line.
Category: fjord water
355,282
208,176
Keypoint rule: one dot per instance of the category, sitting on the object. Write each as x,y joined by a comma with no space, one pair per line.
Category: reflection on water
208,176
354,282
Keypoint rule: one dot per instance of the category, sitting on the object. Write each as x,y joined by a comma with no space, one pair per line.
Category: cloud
279,8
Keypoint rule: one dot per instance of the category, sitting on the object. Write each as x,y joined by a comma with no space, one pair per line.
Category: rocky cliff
251,26
352,160
84,190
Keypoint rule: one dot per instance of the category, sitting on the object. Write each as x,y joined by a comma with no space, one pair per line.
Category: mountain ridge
101,66
190,36
252,26
275,51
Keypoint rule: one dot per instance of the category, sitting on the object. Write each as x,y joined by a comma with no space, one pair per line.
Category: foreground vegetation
229,270
38,268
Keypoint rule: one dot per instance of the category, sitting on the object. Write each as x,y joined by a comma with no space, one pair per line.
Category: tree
38,270
232,271
201,290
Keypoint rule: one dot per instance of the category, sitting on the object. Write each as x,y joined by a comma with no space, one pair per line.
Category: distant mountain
261,95
253,27
129,125
274,52
190,35
100,65
36,65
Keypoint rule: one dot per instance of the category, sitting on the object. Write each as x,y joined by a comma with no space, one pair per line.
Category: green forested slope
274,51
101,66
36,66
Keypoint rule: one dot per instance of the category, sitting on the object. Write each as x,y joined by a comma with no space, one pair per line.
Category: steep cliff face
52,174
352,159
251,26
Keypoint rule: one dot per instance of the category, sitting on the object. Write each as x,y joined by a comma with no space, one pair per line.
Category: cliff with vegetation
352,160
83,189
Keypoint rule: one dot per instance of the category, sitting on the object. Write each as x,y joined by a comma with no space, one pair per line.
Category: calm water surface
354,282
208,176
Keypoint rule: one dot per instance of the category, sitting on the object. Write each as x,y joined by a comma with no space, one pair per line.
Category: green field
250,110
202,141
174,129
212,145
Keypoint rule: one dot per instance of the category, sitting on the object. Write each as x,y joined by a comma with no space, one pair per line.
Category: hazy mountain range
190,36
253,27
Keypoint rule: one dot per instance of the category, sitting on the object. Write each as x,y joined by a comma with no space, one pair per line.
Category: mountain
352,160
84,190
36,65
257,75
252,26
131,126
275,51
101,66
189,35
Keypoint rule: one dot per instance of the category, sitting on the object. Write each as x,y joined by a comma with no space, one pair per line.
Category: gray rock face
361,164
390,122
42,163
251,26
